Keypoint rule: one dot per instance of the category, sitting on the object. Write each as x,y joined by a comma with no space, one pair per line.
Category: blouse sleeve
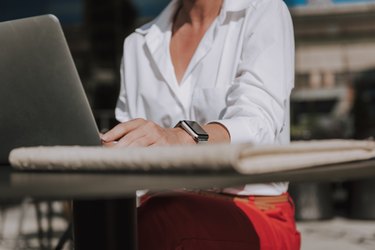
121,111
257,101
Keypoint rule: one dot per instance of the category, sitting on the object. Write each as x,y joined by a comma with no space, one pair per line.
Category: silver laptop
42,101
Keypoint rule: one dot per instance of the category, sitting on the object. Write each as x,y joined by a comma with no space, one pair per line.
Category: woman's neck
200,12
191,22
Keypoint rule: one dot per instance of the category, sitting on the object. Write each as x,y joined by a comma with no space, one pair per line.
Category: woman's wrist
182,137
218,134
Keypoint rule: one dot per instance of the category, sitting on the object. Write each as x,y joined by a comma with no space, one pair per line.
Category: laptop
42,101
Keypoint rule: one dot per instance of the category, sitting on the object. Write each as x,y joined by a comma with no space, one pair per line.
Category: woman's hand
143,133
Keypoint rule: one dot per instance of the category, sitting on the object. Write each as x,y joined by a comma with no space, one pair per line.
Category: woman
227,65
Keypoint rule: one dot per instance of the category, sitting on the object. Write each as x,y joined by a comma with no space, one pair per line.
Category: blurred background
334,97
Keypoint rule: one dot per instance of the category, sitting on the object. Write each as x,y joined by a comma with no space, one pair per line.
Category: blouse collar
165,18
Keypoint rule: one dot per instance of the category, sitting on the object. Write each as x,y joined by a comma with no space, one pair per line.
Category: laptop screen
42,101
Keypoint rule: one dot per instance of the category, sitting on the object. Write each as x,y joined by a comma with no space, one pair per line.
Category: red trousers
191,221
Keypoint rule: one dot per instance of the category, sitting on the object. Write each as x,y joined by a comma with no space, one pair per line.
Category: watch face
202,135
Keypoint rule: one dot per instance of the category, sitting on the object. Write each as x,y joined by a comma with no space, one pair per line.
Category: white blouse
241,76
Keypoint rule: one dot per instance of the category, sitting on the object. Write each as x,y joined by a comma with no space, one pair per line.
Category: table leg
105,224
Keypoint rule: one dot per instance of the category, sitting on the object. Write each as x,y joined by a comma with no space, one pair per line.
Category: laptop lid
42,101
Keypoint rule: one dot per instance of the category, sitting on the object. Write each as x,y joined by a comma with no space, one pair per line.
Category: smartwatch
194,130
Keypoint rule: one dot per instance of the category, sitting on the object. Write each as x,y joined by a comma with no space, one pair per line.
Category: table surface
103,185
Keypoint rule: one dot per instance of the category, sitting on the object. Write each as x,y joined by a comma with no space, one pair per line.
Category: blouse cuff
236,130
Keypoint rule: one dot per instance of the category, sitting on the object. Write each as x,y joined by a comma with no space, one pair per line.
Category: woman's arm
257,101
143,133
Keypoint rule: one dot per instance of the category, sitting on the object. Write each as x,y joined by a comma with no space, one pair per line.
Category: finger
157,143
121,130
146,129
109,144
144,141
155,140
131,137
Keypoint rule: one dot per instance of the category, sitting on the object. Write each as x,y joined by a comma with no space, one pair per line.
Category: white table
104,202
